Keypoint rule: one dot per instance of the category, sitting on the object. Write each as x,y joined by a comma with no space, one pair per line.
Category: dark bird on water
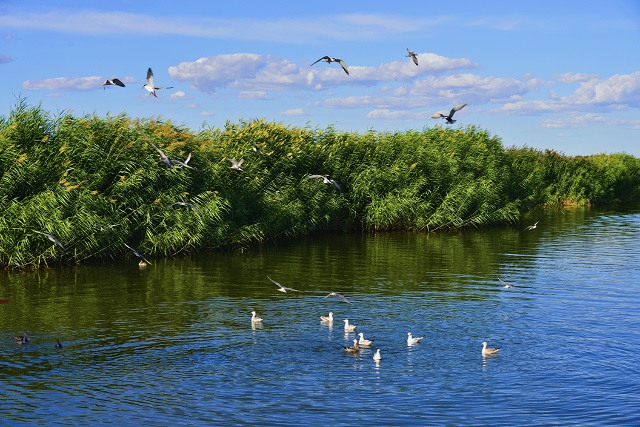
449,118
58,345
329,60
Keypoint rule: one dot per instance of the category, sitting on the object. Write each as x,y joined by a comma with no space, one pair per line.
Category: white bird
150,86
411,340
335,294
254,318
364,342
531,227
163,157
256,148
51,237
352,349
110,82
143,260
282,288
325,180
236,164
413,56
327,319
329,60
184,164
488,351
377,356
191,205
507,286
106,227
451,113
348,327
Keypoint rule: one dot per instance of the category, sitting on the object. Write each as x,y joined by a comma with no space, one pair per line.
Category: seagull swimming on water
327,319
377,356
325,180
282,288
150,87
363,341
488,351
531,227
329,60
335,294
110,82
449,118
348,327
255,318
352,349
413,56
411,340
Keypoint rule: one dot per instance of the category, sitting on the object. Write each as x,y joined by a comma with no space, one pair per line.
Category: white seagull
377,356
254,318
364,342
51,237
411,340
335,294
413,56
166,160
282,288
531,227
110,82
327,319
186,204
150,86
325,180
348,327
236,164
329,60
507,286
449,118
256,148
488,351
184,164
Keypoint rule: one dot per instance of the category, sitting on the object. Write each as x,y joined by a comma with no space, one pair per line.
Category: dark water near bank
173,344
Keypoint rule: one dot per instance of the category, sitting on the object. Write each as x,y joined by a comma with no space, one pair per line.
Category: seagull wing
136,253
344,66
162,155
54,239
454,109
150,77
438,116
333,181
324,57
118,82
315,176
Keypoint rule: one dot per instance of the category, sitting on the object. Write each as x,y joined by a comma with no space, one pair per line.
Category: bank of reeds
72,176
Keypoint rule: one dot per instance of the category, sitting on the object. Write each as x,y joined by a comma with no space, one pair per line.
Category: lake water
173,344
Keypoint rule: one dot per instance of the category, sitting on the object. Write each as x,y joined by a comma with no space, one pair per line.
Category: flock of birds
363,342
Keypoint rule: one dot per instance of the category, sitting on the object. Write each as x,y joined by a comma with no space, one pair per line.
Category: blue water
173,344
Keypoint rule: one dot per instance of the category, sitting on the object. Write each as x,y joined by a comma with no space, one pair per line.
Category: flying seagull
51,237
257,149
236,164
329,60
136,253
413,56
451,113
531,227
325,180
105,227
116,82
183,164
163,157
488,351
186,204
150,85
507,286
335,294
283,288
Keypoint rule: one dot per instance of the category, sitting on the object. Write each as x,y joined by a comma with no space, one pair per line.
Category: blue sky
563,75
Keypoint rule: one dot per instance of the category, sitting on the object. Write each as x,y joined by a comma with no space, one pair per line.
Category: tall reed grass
72,176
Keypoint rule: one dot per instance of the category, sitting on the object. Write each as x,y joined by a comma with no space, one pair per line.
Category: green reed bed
73,177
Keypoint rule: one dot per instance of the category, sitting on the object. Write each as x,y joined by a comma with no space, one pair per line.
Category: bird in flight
136,253
51,237
163,157
183,164
150,86
236,164
283,288
449,118
256,148
186,204
110,82
329,60
531,227
507,286
325,180
335,294
105,227
413,56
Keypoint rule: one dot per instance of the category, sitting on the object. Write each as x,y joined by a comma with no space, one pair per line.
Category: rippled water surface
173,344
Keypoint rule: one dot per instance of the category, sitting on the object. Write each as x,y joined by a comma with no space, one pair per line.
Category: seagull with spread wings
281,288
136,253
449,118
51,237
150,86
236,164
325,180
166,160
335,294
413,56
112,82
329,60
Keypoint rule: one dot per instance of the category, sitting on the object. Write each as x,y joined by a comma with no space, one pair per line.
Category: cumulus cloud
180,95
294,112
65,83
253,94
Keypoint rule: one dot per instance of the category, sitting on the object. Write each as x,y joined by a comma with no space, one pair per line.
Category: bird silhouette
449,118
110,82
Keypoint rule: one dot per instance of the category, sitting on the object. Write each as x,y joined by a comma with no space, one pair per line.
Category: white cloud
253,94
65,83
576,120
569,78
294,112
207,113
180,95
